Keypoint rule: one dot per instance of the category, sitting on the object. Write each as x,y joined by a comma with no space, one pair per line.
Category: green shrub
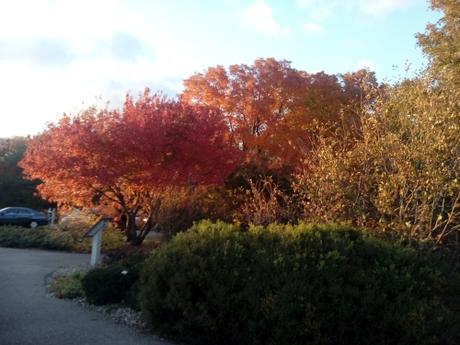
68,286
73,239
116,282
181,207
57,238
134,262
17,237
129,254
71,229
297,285
107,285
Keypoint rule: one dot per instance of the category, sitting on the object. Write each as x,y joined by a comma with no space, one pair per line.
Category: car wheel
33,224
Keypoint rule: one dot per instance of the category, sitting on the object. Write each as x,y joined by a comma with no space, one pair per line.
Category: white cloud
61,56
312,27
384,6
320,10
259,16
33,96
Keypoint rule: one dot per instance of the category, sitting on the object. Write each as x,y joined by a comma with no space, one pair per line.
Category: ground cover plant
67,286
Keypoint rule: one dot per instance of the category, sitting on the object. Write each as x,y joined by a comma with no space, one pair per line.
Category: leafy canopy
272,108
118,160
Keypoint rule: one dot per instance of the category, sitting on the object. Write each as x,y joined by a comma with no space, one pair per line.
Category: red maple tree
120,160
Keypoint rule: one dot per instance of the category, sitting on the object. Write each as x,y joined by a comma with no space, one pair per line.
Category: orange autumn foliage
272,109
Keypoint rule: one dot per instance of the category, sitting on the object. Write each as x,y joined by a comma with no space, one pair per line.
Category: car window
10,212
24,212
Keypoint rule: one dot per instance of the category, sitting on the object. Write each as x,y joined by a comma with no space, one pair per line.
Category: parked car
22,216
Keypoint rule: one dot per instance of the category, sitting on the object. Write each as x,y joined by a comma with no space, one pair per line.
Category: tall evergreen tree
14,189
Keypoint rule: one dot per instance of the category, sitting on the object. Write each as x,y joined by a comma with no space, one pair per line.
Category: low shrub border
18,237
56,238
293,285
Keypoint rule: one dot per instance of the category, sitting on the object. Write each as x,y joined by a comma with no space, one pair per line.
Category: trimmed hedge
291,285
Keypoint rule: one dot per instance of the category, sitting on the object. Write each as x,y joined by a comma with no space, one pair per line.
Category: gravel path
29,316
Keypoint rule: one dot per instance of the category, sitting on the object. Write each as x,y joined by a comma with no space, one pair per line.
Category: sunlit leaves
120,159
272,109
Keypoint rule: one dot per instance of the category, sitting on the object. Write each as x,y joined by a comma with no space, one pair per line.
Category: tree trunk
131,229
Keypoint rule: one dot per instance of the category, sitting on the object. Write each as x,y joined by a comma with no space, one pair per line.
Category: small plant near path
67,286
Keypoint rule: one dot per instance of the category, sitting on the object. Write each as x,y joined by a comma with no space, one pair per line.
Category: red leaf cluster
118,155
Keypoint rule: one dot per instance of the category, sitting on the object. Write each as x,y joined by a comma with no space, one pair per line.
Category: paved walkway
28,316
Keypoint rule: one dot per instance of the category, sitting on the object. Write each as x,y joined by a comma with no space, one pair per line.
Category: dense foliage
115,282
401,176
180,207
441,41
56,238
297,285
15,190
272,109
121,162
17,237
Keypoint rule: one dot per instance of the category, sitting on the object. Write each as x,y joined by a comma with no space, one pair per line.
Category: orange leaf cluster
272,108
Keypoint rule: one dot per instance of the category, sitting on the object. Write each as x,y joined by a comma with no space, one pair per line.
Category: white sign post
95,232
52,215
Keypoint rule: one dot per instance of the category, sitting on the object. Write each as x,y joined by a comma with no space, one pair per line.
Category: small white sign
95,232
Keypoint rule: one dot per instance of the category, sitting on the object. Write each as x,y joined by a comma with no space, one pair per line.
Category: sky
61,56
